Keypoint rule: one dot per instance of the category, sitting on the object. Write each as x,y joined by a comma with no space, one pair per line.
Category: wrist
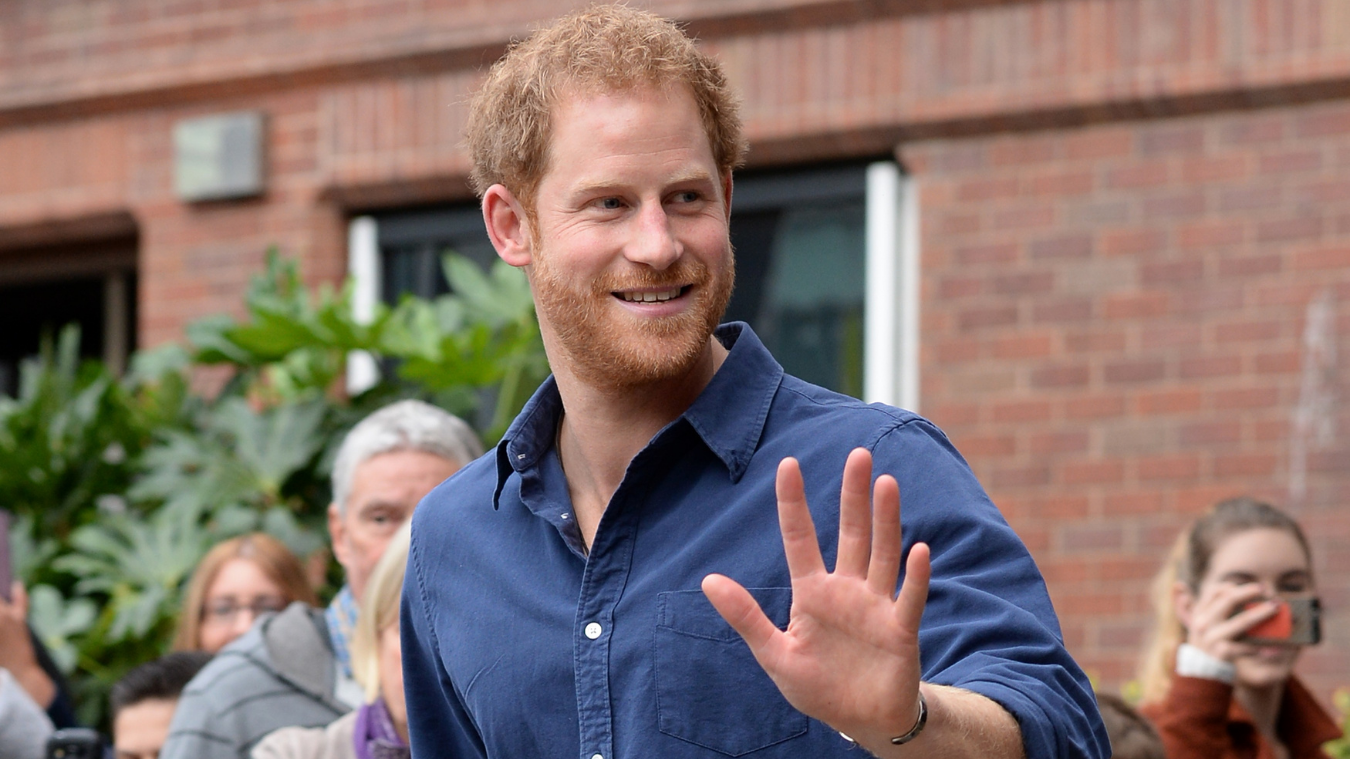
1194,662
36,683
893,733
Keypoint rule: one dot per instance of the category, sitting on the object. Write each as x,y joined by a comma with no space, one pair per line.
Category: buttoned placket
602,584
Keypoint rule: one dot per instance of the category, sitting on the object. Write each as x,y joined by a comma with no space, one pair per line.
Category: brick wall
1129,207
1114,324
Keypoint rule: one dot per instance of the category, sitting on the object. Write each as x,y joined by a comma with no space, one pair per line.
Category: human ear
1183,603
507,225
337,532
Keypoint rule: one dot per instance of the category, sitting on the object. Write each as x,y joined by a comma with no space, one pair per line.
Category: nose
243,620
653,242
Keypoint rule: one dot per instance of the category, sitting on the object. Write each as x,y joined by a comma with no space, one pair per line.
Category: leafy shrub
120,485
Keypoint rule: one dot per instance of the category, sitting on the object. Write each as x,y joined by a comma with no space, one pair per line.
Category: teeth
650,297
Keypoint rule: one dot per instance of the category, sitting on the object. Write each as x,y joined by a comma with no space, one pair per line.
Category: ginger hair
602,49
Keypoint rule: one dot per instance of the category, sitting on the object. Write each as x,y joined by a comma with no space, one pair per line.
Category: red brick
1133,241
1305,228
1064,310
1134,305
1279,362
1208,234
1248,331
1096,144
1020,346
960,287
999,253
1137,176
1291,162
987,446
1209,367
1183,401
1131,504
1095,342
1091,472
1017,477
1059,442
1071,246
1322,258
957,351
1323,123
1026,283
1250,265
1246,398
983,318
1059,183
1186,204
1175,466
1244,465
1021,411
1210,433
1094,538
1185,140
1206,169
979,189
1172,272
1094,407
1134,371
1071,375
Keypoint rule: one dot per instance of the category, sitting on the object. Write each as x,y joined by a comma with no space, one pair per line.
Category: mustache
686,271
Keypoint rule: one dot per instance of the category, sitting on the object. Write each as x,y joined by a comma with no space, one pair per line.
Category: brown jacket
1199,719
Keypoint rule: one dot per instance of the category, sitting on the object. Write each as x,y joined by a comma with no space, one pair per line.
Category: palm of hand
850,654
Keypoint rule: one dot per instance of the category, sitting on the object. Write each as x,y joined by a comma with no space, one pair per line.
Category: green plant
120,485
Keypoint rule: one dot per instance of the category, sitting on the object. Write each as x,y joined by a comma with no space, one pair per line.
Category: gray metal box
218,157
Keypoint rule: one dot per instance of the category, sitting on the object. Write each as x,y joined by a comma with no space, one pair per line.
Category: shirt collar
728,415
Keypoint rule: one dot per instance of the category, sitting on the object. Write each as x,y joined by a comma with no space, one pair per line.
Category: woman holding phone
1235,606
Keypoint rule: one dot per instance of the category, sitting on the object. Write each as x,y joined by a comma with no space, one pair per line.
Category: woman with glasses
237,581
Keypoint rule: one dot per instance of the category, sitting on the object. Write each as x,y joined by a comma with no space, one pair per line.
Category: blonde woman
235,582
1212,693
379,729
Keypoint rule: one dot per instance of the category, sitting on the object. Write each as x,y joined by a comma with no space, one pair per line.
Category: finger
884,570
1224,602
855,515
742,612
20,599
1243,621
914,590
794,519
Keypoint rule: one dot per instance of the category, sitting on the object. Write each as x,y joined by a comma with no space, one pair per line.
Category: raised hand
850,654
1213,627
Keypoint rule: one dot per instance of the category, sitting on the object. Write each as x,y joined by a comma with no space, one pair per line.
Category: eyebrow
599,187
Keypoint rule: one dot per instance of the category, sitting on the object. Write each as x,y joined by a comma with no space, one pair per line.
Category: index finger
794,520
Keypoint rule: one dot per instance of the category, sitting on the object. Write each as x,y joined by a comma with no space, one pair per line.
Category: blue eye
611,204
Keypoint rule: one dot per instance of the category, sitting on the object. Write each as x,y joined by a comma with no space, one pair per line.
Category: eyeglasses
225,611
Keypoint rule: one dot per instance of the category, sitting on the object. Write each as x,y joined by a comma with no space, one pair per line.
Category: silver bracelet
913,733
919,723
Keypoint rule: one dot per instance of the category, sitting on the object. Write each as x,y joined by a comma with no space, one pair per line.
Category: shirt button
593,631
597,756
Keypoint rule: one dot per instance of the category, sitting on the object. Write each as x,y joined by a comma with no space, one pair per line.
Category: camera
75,743
1297,622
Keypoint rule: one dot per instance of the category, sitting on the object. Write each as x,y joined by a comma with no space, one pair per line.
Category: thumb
19,600
741,611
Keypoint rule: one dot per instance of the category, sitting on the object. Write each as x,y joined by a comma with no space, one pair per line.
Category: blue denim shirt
518,644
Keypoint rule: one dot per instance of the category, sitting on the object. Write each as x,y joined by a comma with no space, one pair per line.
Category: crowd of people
615,580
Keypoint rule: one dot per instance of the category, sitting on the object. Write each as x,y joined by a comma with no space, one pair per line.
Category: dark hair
162,679
1132,736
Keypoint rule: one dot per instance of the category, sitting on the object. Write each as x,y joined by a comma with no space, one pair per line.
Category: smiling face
1275,561
631,263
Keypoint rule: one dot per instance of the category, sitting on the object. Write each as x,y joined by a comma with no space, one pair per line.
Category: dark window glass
41,291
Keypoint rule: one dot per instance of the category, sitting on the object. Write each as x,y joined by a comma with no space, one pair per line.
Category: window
43,289
823,273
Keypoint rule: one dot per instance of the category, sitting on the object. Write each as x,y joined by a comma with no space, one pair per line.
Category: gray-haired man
291,669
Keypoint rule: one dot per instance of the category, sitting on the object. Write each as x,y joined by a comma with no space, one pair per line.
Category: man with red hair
616,581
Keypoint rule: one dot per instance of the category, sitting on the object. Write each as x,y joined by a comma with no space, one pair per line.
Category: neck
1263,704
605,427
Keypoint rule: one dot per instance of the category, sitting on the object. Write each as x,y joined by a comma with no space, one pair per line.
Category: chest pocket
710,691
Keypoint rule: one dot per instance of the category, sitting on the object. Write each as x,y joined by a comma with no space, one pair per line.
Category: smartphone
1297,622
6,568
75,743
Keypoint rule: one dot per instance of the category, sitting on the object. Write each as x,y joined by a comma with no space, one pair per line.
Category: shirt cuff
1192,662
